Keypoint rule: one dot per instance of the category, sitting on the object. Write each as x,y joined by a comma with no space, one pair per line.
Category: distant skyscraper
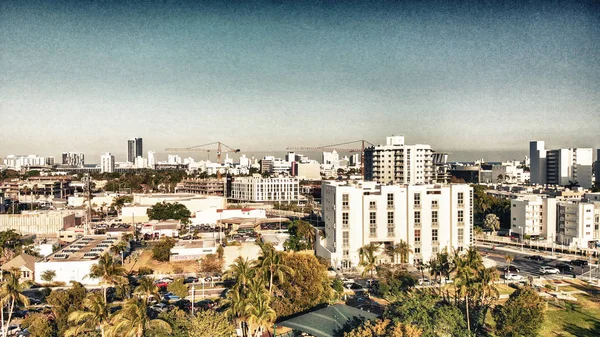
598,167
134,149
107,163
151,159
73,159
537,156
560,166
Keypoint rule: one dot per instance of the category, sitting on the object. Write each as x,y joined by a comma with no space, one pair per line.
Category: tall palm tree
368,259
509,259
11,293
119,248
133,320
241,270
236,306
270,262
96,314
394,251
146,288
109,271
404,251
259,313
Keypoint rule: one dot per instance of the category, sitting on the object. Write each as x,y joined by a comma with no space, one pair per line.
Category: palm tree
96,314
241,270
146,288
271,264
109,271
500,178
260,314
119,248
395,250
133,320
404,251
236,306
368,259
509,259
11,293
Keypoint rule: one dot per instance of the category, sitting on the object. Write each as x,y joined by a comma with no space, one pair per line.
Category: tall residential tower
134,149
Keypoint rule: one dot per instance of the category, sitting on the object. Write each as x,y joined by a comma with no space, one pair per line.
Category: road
531,267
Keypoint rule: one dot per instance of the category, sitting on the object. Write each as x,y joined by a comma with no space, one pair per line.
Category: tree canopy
522,315
169,211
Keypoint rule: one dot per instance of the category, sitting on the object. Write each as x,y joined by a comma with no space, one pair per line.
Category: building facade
534,215
37,222
76,159
202,186
258,189
560,166
134,149
429,218
399,163
17,162
107,163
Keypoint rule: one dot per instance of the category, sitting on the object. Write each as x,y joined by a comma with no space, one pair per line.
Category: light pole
522,238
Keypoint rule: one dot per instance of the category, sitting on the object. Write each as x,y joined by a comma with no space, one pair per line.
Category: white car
346,280
424,282
515,277
549,270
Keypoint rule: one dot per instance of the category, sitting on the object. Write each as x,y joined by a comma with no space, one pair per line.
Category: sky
474,78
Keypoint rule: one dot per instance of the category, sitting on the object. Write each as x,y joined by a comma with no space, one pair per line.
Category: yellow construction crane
338,147
220,148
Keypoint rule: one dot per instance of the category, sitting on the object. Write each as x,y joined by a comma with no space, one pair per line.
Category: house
25,263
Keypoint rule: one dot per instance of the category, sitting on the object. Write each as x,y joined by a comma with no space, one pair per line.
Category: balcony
390,206
460,223
435,206
417,206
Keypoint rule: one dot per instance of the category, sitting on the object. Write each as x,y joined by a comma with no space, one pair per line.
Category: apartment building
38,222
428,217
202,186
107,163
76,159
575,223
135,149
18,162
560,166
399,163
258,189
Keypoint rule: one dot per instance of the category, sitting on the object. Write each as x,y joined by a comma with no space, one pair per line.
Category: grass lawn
505,289
145,260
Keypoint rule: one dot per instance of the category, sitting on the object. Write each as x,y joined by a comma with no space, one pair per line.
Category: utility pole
87,180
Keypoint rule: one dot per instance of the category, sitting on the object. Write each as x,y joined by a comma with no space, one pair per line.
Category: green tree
133,320
64,302
210,323
270,262
48,276
383,328
109,271
522,315
178,288
11,294
169,211
146,289
260,314
39,325
492,222
241,271
119,248
162,250
368,259
96,313
394,283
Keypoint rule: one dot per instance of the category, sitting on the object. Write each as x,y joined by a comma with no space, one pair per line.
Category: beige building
38,222
24,263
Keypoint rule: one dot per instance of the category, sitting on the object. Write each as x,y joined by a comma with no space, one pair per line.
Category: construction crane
338,147
221,148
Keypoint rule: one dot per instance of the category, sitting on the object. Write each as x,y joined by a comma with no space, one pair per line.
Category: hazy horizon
465,77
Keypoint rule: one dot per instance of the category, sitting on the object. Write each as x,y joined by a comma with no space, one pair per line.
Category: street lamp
522,238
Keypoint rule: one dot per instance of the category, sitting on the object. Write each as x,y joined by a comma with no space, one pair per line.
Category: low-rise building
202,186
74,262
258,189
38,222
24,263
157,229
192,250
211,216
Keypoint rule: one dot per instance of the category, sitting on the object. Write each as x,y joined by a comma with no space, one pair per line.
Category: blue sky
467,78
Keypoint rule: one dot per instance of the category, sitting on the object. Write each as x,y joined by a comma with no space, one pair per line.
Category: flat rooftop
86,248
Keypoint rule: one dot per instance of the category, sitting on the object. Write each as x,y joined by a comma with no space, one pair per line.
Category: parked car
346,280
161,284
171,297
512,269
190,279
160,307
424,282
536,257
445,281
549,270
514,277
353,286
34,301
372,283
579,262
204,305
166,279
183,304
563,267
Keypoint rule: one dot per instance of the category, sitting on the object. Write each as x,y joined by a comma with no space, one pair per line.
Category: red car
161,284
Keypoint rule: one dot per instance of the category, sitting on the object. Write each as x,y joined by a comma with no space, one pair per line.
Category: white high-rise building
107,163
173,159
151,159
331,158
399,163
140,162
428,217
17,162
560,166
244,161
73,159
534,215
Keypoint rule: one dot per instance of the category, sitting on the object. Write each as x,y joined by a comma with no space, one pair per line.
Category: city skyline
476,80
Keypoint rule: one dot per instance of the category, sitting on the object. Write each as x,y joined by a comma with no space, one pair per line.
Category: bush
162,250
143,271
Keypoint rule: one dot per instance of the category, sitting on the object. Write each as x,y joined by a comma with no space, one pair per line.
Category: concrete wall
67,271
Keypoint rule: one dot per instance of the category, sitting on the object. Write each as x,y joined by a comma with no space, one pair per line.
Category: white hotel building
428,217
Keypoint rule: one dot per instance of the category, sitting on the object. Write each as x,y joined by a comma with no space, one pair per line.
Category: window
372,205
345,201
417,218
390,200
390,223
434,235
434,204
461,198
373,224
345,239
434,249
346,253
417,250
434,218
461,216
417,200
461,235
417,235
345,217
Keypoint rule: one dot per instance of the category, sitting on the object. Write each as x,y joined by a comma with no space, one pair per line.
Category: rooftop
86,248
